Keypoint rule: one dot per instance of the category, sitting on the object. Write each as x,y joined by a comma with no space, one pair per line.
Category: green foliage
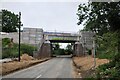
58,51
57,38
105,56
8,52
25,48
9,21
61,51
5,41
108,48
103,18
108,70
69,49
106,66
100,16
107,45
56,46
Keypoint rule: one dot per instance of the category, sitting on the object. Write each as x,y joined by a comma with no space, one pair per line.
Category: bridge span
81,41
57,37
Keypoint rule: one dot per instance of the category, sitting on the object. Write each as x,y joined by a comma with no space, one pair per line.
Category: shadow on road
63,56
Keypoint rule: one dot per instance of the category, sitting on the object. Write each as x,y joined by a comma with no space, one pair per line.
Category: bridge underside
63,41
46,48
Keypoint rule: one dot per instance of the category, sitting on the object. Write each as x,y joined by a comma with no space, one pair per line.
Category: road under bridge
45,49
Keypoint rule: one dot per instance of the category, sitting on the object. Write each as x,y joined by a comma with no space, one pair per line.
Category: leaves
100,17
9,21
5,41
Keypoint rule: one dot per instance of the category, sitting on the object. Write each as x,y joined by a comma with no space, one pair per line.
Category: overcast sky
51,16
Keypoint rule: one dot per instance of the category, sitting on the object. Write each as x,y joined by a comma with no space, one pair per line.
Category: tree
57,50
9,21
69,49
104,18
100,16
5,41
57,46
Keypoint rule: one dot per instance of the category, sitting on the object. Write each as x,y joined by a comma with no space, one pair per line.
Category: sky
51,16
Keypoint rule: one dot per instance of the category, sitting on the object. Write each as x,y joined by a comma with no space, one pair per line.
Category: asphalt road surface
54,68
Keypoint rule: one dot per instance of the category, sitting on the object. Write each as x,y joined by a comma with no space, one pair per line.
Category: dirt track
85,65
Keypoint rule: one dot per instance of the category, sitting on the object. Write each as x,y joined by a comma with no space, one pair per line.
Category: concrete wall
0,20
86,39
78,50
31,36
45,51
14,35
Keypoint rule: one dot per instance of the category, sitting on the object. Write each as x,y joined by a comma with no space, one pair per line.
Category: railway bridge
43,40
45,49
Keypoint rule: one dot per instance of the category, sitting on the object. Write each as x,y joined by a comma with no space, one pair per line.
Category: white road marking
38,77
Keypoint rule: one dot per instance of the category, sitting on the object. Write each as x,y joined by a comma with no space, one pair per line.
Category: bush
107,45
106,56
9,53
13,52
68,52
108,70
59,52
108,48
5,41
111,69
28,49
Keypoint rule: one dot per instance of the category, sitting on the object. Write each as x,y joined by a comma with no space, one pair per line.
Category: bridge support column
51,47
45,50
78,49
